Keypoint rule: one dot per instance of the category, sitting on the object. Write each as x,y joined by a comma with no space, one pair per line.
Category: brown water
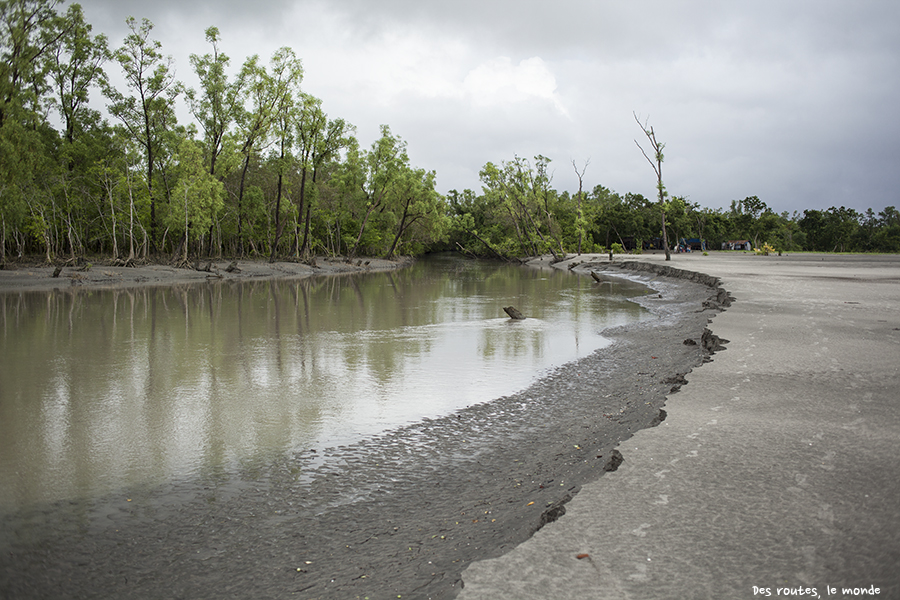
104,389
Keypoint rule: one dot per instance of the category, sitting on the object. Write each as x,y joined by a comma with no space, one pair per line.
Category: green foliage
268,172
198,195
765,250
149,113
74,66
217,103
527,204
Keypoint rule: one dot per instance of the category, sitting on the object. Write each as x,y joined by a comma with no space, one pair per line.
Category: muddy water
102,389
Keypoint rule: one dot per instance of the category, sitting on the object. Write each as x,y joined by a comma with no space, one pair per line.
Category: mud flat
775,473
398,515
35,276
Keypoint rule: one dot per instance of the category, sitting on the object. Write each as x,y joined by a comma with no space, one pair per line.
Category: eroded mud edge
399,514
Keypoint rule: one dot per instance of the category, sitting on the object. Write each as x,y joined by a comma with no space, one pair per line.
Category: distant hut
737,245
696,244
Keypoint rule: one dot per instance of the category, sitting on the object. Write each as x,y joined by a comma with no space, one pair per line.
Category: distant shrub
765,250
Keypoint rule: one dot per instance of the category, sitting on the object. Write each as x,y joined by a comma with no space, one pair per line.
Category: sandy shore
775,473
398,515
28,276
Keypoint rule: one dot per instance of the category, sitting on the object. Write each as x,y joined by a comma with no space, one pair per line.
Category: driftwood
513,313
232,268
596,277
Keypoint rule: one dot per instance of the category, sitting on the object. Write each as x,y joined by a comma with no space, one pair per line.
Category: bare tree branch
657,169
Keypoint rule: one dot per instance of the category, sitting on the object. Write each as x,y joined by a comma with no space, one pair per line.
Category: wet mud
398,515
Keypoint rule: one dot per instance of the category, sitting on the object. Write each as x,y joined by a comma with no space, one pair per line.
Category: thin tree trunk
362,229
298,248
240,223
665,235
304,248
279,226
150,157
400,229
186,226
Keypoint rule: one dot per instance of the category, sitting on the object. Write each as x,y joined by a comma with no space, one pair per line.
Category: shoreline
27,276
402,513
775,467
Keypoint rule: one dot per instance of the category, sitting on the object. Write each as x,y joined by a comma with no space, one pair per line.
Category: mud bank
37,276
401,514
776,463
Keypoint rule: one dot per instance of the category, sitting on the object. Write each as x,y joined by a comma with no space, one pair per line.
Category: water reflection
100,389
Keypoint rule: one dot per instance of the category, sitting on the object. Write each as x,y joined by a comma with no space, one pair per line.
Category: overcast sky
792,101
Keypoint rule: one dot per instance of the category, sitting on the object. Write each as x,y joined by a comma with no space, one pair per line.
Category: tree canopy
263,170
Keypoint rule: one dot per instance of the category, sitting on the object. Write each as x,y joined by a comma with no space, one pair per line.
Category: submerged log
596,277
513,313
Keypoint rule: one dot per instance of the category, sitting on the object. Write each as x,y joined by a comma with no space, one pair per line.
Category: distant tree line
262,170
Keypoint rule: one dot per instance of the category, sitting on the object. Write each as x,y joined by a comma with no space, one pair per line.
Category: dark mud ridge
399,515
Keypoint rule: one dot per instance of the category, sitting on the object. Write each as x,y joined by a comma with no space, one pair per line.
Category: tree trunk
240,223
400,229
298,248
279,226
362,228
150,158
184,257
488,246
665,236
304,248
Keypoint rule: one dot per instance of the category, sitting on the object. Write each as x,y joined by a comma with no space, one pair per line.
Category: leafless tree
656,162
579,222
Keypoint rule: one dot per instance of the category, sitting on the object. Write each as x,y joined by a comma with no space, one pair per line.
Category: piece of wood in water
596,277
513,313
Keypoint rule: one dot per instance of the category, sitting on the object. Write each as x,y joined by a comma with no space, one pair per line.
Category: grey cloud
790,101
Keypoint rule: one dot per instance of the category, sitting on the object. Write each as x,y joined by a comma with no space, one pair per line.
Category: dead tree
656,163
580,218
